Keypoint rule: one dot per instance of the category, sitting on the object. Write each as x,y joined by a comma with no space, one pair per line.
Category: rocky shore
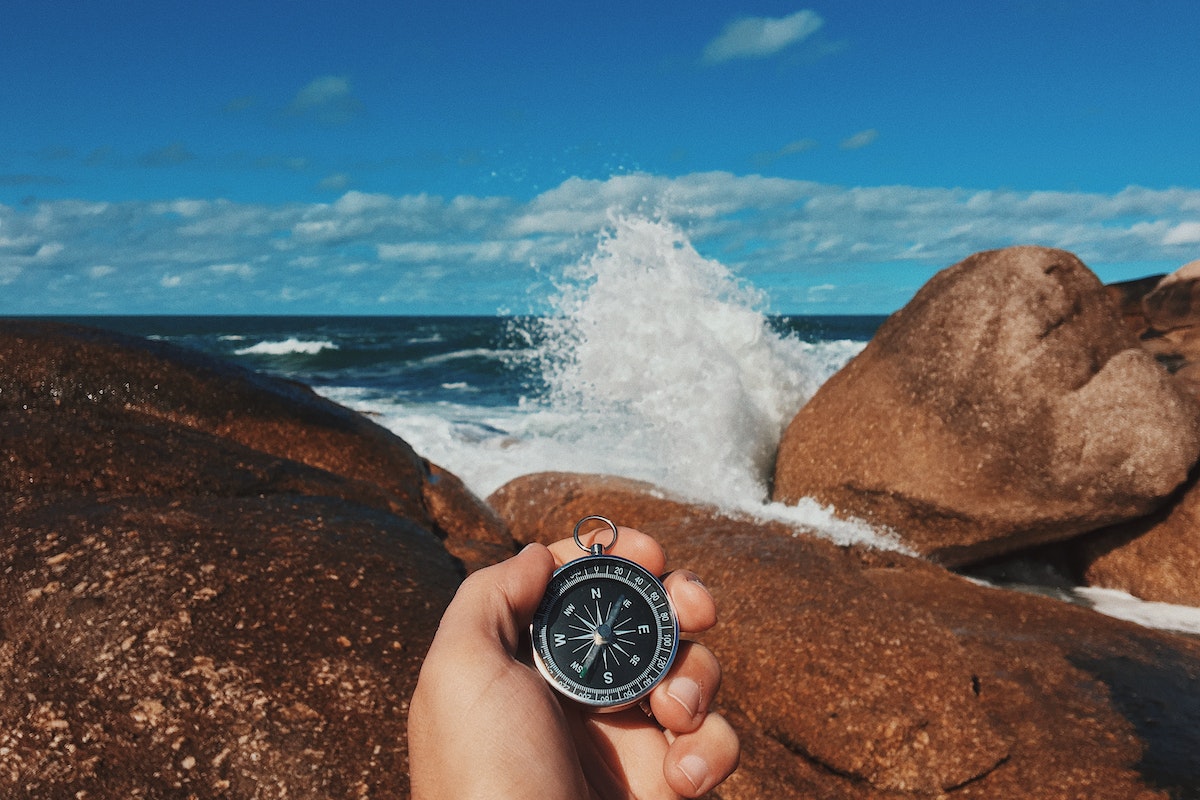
218,584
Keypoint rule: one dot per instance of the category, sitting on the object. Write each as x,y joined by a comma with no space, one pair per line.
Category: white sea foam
660,366
290,346
1121,605
672,364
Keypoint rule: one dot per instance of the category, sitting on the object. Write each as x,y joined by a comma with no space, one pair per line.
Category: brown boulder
105,415
474,534
1127,296
215,584
1005,406
46,367
1174,303
852,673
1155,558
1171,309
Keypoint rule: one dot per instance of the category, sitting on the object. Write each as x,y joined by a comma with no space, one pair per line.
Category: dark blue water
419,359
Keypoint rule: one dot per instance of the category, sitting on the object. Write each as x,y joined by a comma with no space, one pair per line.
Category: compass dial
605,633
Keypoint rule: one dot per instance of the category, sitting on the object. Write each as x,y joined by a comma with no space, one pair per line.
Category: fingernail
686,692
695,769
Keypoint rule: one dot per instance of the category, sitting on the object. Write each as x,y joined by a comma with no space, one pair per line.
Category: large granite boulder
852,673
213,583
1004,407
101,414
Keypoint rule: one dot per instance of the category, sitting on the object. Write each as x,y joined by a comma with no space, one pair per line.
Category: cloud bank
810,247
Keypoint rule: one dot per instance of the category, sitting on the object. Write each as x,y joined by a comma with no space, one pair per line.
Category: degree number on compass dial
605,633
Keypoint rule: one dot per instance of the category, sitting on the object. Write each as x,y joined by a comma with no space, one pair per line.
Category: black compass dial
605,632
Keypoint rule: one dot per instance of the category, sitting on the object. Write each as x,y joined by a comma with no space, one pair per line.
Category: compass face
605,632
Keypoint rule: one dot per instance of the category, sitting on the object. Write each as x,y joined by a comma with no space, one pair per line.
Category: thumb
498,602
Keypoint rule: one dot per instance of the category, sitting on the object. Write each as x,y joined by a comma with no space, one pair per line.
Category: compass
605,633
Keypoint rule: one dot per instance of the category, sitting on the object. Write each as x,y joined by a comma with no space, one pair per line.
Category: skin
483,723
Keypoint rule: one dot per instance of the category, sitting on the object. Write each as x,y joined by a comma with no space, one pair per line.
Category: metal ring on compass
597,548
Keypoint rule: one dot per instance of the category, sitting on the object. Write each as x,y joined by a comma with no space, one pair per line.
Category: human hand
483,723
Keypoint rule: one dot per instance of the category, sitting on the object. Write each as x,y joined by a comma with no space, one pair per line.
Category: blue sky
451,157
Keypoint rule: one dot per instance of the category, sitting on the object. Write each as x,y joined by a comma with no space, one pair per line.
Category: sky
450,157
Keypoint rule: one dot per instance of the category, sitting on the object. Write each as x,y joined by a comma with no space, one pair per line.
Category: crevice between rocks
798,750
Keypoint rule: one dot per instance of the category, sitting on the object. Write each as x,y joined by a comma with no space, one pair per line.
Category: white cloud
322,91
337,182
816,294
49,250
759,37
327,99
860,140
239,270
1183,233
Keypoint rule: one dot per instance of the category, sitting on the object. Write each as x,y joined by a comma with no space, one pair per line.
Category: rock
1174,303
1156,558
216,584
1172,325
102,414
1004,407
1127,296
475,535
852,673
212,647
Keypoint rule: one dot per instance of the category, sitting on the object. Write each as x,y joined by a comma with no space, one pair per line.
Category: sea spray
669,366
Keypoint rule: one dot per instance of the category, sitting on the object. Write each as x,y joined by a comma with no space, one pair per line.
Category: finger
631,544
694,606
499,601
625,756
698,761
681,702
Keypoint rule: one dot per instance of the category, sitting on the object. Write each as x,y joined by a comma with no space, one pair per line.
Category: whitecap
290,346
457,355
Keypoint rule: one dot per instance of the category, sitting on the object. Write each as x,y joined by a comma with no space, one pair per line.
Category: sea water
653,363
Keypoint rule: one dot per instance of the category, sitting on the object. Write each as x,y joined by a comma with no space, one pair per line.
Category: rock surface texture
214,584
853,673
1005,406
